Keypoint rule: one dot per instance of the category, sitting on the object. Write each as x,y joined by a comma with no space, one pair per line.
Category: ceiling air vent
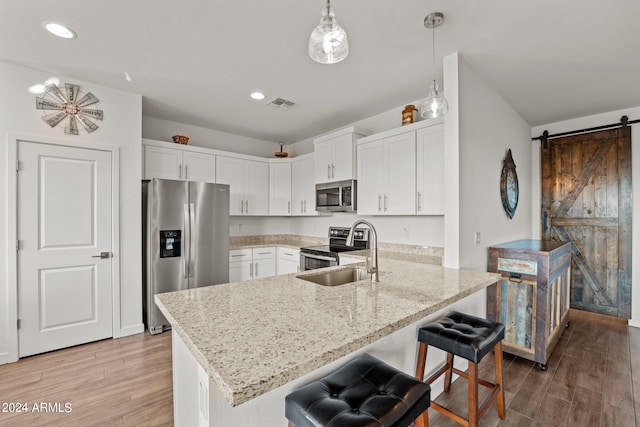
281,104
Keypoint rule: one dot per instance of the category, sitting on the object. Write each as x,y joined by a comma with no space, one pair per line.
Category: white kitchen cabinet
387,176
280,188
249,184
240,265
288,260
181,164
252,263
264,262
335,155
430,170
303,187
198,166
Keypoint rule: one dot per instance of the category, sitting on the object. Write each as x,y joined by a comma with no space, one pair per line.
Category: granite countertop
253,336
293,241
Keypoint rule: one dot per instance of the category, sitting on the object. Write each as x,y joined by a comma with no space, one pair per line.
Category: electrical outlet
476,236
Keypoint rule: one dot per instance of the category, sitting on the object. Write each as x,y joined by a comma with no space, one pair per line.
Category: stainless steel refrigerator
185,240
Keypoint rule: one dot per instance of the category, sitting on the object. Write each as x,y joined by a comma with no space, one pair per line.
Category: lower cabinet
264,262
255,263
288,260
240,265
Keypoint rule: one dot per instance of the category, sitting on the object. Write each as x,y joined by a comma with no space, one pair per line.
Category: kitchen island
239,348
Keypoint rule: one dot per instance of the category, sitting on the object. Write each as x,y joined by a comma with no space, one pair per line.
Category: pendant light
436,104
328,43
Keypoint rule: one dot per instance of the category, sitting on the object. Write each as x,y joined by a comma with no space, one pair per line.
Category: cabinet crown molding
400,130
351,129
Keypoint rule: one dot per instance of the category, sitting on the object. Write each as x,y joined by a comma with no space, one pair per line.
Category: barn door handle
103,255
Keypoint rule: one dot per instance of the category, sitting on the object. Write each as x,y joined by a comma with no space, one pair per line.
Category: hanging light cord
433,48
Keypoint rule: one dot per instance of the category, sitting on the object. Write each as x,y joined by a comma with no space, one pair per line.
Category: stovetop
330,249
338,242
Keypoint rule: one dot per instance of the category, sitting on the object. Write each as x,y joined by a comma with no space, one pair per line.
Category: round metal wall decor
509,190
70,106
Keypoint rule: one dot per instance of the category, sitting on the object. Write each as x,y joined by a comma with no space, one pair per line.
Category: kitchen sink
337,277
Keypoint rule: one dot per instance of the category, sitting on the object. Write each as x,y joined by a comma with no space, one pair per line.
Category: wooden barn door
586,199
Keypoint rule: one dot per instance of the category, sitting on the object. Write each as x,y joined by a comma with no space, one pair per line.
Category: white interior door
64,224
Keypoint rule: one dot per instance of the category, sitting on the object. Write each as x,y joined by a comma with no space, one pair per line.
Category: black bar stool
472,338
363,392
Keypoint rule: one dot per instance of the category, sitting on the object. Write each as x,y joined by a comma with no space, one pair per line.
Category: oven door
311,262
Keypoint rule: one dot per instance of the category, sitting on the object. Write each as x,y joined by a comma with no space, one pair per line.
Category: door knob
103,255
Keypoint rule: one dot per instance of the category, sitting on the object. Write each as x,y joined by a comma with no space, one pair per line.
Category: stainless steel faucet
373,267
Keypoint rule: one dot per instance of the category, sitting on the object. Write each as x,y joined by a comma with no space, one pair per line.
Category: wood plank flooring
593,375
591,381
123,382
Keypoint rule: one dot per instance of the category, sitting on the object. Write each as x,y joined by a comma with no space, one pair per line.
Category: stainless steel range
313,257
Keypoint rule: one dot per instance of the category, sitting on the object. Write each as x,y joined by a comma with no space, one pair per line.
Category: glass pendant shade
328,43
435,105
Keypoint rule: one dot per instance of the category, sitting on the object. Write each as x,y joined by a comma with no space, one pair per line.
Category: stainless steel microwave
336,196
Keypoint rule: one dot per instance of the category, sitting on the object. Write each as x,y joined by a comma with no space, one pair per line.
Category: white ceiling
196,61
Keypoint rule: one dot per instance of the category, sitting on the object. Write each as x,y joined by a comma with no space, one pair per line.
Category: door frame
13,139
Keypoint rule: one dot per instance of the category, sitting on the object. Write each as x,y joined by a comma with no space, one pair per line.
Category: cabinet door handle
246,206
385,202
180,171
256,269
305,206
301,206
328,170
289,207
186,171
237,255
241,206
333,175
379,202
419,200
251,270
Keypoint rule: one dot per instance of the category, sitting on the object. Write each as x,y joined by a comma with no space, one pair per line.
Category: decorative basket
180,139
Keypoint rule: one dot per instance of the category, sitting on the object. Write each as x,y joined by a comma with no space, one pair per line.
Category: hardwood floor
123,382
591,381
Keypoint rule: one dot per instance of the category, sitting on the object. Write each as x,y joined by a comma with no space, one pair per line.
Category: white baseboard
131,330
634,322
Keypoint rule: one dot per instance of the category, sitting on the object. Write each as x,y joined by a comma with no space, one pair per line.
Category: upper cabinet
401,171
280,188
335,155
178,163
249,185
387,176
430,170
303,187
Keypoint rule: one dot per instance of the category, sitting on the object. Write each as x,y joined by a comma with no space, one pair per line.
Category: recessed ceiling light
59,30
257,95
127,77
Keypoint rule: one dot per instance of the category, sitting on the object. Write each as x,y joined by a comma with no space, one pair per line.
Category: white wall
583,123
487,127
163,130
122,128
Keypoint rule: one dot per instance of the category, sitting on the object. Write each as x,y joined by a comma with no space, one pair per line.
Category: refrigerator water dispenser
170,243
